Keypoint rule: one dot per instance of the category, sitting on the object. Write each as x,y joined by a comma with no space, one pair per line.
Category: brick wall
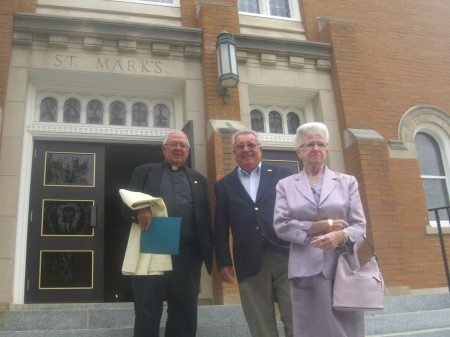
380,203
388,57
421,253
212,18
221,162
395,58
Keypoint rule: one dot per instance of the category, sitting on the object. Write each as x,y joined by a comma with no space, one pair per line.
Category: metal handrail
441,239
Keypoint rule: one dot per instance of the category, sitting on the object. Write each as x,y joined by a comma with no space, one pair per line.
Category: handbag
359,289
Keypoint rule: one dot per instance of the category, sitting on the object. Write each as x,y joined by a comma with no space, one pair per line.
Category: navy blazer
147,179
236,210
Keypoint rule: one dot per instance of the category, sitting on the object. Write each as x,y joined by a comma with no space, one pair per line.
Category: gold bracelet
330,224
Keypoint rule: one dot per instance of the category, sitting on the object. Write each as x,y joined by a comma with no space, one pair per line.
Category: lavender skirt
313,314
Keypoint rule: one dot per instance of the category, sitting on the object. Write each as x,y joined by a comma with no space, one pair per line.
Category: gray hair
245,132
309,128
174,132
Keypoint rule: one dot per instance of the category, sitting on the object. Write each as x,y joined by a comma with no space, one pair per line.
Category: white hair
245,132
176,132
309,128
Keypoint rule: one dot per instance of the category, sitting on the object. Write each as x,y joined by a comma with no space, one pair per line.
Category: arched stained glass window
48,111
275,123
72,110
90,109
117,113
94,112
433,174
139,114
293,123
257,120
161,116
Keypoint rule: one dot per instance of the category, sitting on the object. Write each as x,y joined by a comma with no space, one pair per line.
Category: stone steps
412,316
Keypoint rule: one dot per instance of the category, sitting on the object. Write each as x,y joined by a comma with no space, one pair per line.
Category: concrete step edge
413,333
403,322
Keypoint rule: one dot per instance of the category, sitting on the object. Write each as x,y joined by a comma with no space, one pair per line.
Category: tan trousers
259,292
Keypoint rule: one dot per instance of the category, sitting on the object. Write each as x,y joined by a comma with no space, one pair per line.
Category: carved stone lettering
117,65
131,65
72,60
58,61
101,65
158,69
68,61
144,64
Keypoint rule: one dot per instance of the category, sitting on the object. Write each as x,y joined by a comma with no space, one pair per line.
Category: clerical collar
171,167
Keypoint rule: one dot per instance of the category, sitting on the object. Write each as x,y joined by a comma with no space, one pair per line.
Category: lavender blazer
296,210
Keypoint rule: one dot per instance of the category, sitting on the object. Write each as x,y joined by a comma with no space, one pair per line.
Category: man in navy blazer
245,200
185,193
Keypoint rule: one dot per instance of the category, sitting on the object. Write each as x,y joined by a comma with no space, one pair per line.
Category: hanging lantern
226,63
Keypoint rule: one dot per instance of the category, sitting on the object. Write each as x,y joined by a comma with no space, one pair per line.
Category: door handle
93,216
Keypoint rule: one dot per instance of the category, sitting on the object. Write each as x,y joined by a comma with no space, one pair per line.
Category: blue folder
163,236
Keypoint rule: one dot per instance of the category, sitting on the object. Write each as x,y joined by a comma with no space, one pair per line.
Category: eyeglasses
251,146
175,145
311,145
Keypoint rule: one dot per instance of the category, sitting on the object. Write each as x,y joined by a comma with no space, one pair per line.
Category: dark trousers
179,287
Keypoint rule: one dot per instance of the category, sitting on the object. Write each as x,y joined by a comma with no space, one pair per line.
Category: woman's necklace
314,182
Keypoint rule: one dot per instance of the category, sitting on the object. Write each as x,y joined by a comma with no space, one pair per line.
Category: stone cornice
162,38
48,24
99,133
257,44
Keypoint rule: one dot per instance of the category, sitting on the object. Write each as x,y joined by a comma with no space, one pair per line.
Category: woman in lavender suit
318,210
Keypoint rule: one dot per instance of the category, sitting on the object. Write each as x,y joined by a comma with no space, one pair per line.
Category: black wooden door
65,228
288,159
